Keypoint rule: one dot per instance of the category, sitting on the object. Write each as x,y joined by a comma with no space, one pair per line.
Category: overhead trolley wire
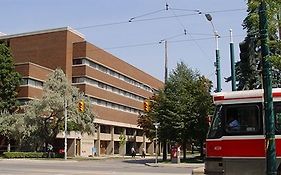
146,14
186,31
196,12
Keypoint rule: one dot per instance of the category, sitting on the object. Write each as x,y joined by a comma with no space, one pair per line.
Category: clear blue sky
138,42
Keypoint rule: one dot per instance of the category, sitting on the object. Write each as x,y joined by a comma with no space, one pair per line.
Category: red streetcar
235,142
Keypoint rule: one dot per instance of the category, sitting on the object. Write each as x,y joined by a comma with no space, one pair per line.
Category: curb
198,171
177,165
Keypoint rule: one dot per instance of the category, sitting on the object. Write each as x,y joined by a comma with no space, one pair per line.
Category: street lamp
65,129
217,63
156,124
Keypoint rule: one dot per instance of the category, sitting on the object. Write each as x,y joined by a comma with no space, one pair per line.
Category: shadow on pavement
140,161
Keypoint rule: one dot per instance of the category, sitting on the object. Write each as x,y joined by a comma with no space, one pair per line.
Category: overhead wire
172,41
186,32
146,14
196,12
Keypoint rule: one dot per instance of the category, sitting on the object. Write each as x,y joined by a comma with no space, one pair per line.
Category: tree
203,107
180,108
249,67
9,80
122,141
12,127
46,115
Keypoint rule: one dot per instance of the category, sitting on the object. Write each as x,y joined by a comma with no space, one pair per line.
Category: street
87,167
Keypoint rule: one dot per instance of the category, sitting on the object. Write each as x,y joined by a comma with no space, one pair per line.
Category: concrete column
71,147
150,148
75,145
143,145
135,138
110,147
97,142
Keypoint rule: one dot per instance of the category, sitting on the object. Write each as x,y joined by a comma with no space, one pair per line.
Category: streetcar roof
247,96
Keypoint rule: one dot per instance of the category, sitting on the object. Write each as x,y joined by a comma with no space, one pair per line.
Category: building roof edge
42,32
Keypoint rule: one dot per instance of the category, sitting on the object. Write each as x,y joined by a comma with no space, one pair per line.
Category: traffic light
146,105
81,106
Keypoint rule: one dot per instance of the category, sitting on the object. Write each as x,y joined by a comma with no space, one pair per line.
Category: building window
107,87
32,82
139,132
77,61
129,131
112,73
105,129
114,105
118,130
23,101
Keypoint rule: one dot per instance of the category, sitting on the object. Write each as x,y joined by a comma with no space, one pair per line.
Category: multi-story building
116,89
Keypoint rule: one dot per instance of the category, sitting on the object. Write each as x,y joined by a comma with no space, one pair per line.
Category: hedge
11,155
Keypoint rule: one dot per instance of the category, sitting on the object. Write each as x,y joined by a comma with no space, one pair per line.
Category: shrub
11,155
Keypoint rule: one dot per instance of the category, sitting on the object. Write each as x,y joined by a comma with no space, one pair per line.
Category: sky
105,23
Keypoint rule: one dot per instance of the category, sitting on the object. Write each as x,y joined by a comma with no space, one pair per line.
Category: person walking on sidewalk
133,152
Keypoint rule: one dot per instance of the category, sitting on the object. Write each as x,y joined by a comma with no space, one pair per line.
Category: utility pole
233,74
268,101
166,78
166,61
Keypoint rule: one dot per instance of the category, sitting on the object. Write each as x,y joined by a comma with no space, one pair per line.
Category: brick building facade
116,89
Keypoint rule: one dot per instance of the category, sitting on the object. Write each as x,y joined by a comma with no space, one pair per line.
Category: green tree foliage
248,69
181,108
46,115
9,80
12,127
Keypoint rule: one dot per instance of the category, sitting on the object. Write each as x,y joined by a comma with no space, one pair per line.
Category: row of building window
107,87
31,82
112,73
115,106
36,83
119,130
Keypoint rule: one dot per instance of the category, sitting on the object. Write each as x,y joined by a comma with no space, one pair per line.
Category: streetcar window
242,119
216,127
277,111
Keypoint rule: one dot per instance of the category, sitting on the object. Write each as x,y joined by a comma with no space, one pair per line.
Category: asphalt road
87,167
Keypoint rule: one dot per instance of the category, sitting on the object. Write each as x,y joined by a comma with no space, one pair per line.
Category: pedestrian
133,152
143,152
50,150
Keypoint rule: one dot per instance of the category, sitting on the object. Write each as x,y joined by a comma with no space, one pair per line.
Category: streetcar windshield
242,119
236,119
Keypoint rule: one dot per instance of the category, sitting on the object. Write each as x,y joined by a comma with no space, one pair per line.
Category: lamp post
156,124
65,129
217,63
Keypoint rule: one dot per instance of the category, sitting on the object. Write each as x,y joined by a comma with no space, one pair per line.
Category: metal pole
156,159
156,127
166,79
233,74
217,63
268,101
166,61
65,129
